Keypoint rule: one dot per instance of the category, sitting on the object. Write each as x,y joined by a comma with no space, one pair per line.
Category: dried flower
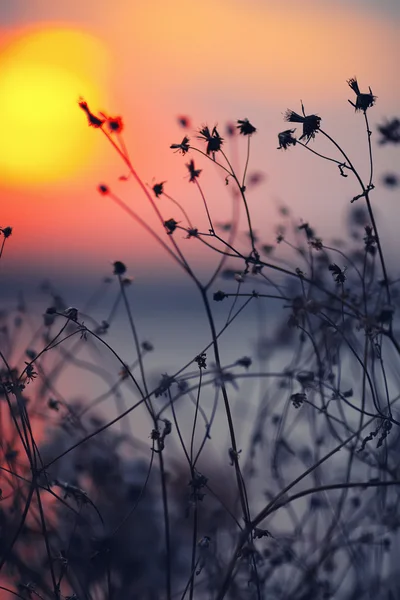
30,372
316,243
286,139
6,231
164,385
363,101
244,362
298,399
103,189
200,359
260,533
183,147
194,173
245,127
192,232
92,119
119,268
307,229
219,296
115,124
234,456
170,225
158,189
71,313
213,139
338,273
311,123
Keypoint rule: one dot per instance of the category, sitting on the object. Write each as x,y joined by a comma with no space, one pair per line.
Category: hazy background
215,61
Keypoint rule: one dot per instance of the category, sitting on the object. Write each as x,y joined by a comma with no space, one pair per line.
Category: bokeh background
152,62
214,61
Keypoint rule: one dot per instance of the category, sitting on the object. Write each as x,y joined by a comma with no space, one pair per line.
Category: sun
42,75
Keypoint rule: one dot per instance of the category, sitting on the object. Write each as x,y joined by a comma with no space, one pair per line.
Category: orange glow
42,75
268,47
216,60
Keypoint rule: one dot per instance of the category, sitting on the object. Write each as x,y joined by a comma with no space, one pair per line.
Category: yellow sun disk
45,138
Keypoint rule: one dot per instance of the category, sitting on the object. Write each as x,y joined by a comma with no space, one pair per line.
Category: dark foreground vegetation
308,509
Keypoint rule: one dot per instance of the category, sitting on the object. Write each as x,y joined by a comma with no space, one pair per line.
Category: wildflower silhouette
92,119
311,123
194,173
170,225
219,296
114,124
6,231
103,189
192,232
245,127
158,189
200,359
345,330
183,147
119,268
298,399
213,139
337,273
363,101
286,139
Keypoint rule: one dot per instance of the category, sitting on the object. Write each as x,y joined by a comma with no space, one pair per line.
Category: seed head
213,139
6,231
183,147
245,127
193,172
119,268
363,101
311,123
92,119
158,189
286,139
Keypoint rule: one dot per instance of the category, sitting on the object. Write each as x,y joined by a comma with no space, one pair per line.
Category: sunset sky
215,61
